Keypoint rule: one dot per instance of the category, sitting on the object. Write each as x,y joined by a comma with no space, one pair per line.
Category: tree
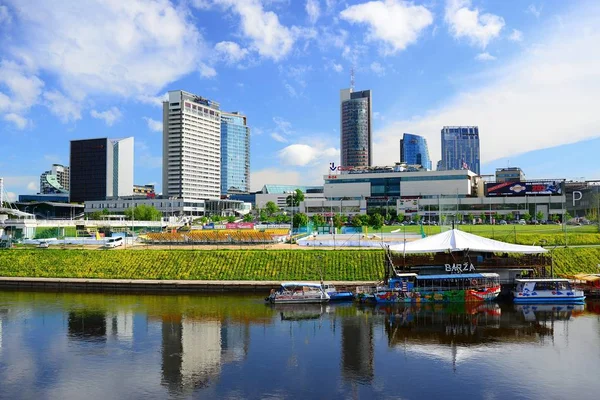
376,221
282,218
248,218
459,217
539,215
470,218
400,217
482,216
527,217
231,219
216,218
300,219
510,216
318,220
416,218
262,216
96,215
294,200
271,208
143,212
338,221
497,217
568,217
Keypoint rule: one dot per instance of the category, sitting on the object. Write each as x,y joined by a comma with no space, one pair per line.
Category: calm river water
105,346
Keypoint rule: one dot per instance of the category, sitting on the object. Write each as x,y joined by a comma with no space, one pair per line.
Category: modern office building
191,147
510,174
355,128
144,190
235,154
100,168
56,180
460,148
414,150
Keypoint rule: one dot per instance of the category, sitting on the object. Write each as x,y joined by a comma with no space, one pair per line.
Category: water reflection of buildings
193,351
99,325
357,348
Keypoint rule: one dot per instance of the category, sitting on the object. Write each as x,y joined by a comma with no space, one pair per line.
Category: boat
407,287
589,283
546,290
334,295
298,292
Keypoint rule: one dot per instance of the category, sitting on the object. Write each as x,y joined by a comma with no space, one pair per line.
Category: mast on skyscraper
352,79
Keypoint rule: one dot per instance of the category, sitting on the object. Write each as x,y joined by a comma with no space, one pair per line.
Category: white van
113,242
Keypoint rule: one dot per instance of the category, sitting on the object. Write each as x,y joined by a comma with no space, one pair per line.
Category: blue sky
526,72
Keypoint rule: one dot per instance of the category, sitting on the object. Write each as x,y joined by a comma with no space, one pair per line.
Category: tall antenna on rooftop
352,78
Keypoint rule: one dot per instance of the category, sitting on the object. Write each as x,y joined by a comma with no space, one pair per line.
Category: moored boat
335,295
546,290
589,283
298,292
404,288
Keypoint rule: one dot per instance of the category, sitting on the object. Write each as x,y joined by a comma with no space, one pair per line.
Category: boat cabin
404,282
457,282
549,284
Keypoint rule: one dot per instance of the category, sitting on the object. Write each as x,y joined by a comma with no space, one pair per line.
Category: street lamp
293,193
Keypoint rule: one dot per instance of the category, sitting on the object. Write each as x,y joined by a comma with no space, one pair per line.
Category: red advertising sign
240,225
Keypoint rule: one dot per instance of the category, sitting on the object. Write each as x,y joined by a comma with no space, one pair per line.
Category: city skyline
507,67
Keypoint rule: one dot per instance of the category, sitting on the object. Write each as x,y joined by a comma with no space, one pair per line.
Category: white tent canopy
455,240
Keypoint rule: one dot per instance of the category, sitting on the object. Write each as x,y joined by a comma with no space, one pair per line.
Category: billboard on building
550,188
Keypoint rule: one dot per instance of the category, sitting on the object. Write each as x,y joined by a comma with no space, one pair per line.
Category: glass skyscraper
460,148
414,150
235,154
355,128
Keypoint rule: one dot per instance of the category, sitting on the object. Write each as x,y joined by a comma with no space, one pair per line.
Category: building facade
100,168
55,180
355,128
235,154
144,190
414,150
460,148
510,174
191,146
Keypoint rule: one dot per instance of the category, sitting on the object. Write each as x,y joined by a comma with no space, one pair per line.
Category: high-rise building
235,154
510,174
191,147
460,148
55,180
355,128
100,168
414,150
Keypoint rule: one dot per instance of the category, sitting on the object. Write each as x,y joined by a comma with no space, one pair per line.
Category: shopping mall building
433,194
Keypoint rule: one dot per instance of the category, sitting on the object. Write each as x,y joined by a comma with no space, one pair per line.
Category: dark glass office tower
88,169
355,128
460,148
414,150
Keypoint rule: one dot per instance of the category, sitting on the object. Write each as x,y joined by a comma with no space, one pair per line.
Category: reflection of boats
299,312
334,295
407,288
546,290
298,292
555,312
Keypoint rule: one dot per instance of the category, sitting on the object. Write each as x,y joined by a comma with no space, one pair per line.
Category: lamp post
293,193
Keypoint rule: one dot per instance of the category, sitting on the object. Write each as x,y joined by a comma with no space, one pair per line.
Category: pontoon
298,292
546,290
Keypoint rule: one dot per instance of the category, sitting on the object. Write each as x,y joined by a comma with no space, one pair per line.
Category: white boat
546,290
298,292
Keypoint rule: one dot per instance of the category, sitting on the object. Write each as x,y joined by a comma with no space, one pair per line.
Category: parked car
502,222
522,222
43,245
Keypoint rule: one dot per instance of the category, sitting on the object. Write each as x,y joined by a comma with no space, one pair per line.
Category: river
105,346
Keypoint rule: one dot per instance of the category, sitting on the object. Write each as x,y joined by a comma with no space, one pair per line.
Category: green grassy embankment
277,265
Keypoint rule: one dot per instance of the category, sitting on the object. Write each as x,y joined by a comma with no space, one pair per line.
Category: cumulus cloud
109,116
516,35
153,100
154,125
303,154
468,23
267,35
65,109
484,57
534,10
395,23
278,138
24,88
19,121
313,10
544,97
231,52
207,71
32,186
377,68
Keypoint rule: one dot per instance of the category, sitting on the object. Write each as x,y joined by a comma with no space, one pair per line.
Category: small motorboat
334,295
546,290
298,292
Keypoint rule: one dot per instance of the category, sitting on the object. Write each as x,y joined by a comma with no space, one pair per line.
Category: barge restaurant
434,195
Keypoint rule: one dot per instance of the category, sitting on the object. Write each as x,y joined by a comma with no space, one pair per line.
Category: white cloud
303,154
231,52
278,138
394,22
271,175
126,48
290,89
313,10
23,86
19,184
19,121
10,197
32,186
533,10
468,23
485,56
109,116
207,71
267,35
547,96
516,36
377,68
154,125
283,125
153,100
66,109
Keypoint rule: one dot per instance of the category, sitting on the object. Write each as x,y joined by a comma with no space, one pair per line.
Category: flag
464,165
